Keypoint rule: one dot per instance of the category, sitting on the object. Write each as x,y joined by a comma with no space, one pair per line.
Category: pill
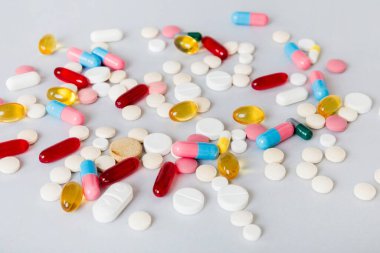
306,109
158,143
327,140
138,134
274,136
203,103
30,135
197,138
158,88
348,114
116,91
218,80
248,115
269,81
69,76
377,176
36,111
59,150
105,132
164,179
154,100
200,150
80,132
71,196
232,198
188,201
322,184
196,35
23,81
13,147
312,155
90,180
301,130
199,68
164,109
245,58
101,144
291,96
212,61
103,89
306,44
9,164
243,69
254,130
156,45
186,44
104,162
228,165
139,221
238,134
314,53
336,66
205,173
27,100
280,37
238,146
119,171
86,59
219,182
210,127
186,165
129,83
125,147
240,80
298,57
73,162
224,141
241,218
90,153
107,35
336,123
170,31
214,47
273,155
131,112
181,78
364,191
232,47
274,171
358,101
117,76
183,111
318,85
132,96
60,175
171,67
335,154
246,48
306,170
87,96
110,60
11,112
149,32
48,44
152,161
298,79
249,18
98,74
329,105
73,66
50,191
65,113
252,232
315,121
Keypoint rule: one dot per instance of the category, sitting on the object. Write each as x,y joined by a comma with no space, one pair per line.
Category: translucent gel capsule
197,150
228,165
69,76
164,179
71,196
186,44
301,130
110,60
274,136
47,44
249,18
13,147
119,171
329,105
59,150
318,85
215,47
269,81
224,141
249,114
132,96
62,94
86,59
90,180
297,56
196,35
64,112
11,112
183,111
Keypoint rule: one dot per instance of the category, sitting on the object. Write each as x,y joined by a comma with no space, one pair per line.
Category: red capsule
215,47
59,150
119,171
69,76
132,96
269,81
164,179
13,147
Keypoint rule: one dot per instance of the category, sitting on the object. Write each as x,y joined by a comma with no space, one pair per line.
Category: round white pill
246,48
240,80
252,232
203,103
98,74
117,76
152,161
306,44
181,78
377,176
358,101
138,134
131,112
232,47
116,91
348,114
156,45
239,146
335,154
139,220
70,86
73,162
90,153
364,191
306,170
219,80
212,61
280,37
60,175
218,183
164,109
27,100
50,191
275,171
206,173
104,162
129,83
241,218
30,135
273,155
9,165
245,58
36,111
210,127
315,121
327,140
188,201
232,198
199,68
171,67
101,143
80,132
105,132
312,155
322,184
242,69
158,143
306,109
298,79
153,77
102,89
154,100
74,66
149,32
187,91
238,134
103,45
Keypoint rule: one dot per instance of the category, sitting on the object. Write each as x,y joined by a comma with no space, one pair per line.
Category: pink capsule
200,150
108,59
90,180
84,58
297,56
64,112
249,18
24,69
254,130
316,75
197,138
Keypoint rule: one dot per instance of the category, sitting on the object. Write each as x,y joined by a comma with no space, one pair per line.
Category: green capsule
196,35
301,130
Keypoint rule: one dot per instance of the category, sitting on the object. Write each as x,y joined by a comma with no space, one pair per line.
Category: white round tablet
273,155
219,182
233,198
239,146
149,32
116,91
74,66
212,61
205,173
164,109
315,121
102,89
36,111
129,83
275,171
171,67
245,58
358,101
199,68
210,127
117,76
181,78
348,114
101,143
139,220
188,201
98,74
50,191
280,37
312,155
73,162
327,140
30,135
152,161
105,132
298,79
187,91
377,176
232,47
364,191
158,143
27,100
322,184
203,103
241,218
335,154
80,132
306,109
153,77
243,69
306,44
246,48
218,80
154,100
240,80
252,232
90,153
104,162
306,170
60,175
238,134
138,134
131,112
156,45
9,165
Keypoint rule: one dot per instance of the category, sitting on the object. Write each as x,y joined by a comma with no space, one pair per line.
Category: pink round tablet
336,66
170,31
336,123
87,96
158,87
186,165
198,138
24,69
254,130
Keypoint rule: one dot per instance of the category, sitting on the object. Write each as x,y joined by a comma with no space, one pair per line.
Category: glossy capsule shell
329,105
224,142
274,136
301,130
62,94
11,112
47,44
318,85
64,112
110,60
164,179
183,111
86,59
297,56
186,44
228,165
200,150
196,35
249,18
269,81
132,96
13,147
71,196
215,47
248,114
69,76
59,150
90,180
119,171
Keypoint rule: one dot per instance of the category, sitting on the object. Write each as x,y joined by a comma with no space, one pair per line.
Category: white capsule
108,35
23,81
291,96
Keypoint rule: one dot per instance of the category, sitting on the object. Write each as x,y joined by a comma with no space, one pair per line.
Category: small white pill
156,45
241,218
98,74
358,101
164,109
101,143
210,127
252,232
232,47
149,32
103,89
116,91
158,143
280,37
90,153
199,68
306,109
131,112
291,96
129,83
348,114
306,44
107,35
219,80
60,175
243,69
104,162
315,121
238,134
232,198
212,61
80,132
239,146
36,111
219,182
71,86
322,184
117,76
364,191
9,165
171,67
205,173
152,161
74,66
312,155
203,103
273,155
246,48
181,78
73,162
30,135
188,201
335,154
240,80
105,132
153,77
327,140
50,191
377,176
245,58
306,170
298,79
138,134
103,45
154,100
27,100
275,171
139,221
187,91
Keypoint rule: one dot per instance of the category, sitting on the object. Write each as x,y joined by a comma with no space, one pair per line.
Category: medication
232,198
364,191
314,53
103,89
348,114
252,232
273,155
105,132
50,191
212,61
90,180
86,59
153,77
203,103
359,102
200,150
249,18
158,88
183,111
110,60
306,44
164,179
301,130
30,135
154,100
69,76
11,112
327,140
377,176
249,114
90,153
36,111
170,31
117,76
158,143
139,221
245,58
125,147
138,133
196,35
9,165
152,161
306,170
336,66
23,81
318,85
64,112
292,96
101,144
71,196
280,37
116,91
119,171
241,218
306,109
149,32
312,155
59,150
214,47
298,79
298,57
188,201
254,130
13,147
98,74
156,45
315,121
107,35
224,142
336,123
199,68
171,67
243,69
329,105
205,173
104,162
186,44
275,135
60,175
210,127
232,47
73,162
335,154
131,112
132,96
246,48
322,184
218,80
238,146
238,134
275,171
228,165
269,81
62,94
47,44
197,138
218,183
87,96
186,165
73,66
181,78
240,80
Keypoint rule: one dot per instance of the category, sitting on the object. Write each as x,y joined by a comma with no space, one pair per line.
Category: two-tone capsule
183,111
13,147
269,81
248,114
318,85
62,94
119,171
274,136
200,150
11,112
228,165
329,105
132,96
64,112
164,179
71,196
215,47
110,60
69,76
59,150
90,180
297,56
301,130
86,59
249,18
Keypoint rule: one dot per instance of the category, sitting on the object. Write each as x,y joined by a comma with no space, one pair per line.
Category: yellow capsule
183,111
186,44
11,112
228,165
71,196
47,44
329,105
62,94
224,141
249,114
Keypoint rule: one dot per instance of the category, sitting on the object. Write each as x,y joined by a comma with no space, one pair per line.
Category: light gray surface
294,218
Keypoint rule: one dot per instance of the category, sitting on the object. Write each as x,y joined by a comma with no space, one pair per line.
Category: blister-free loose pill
188,201
27,100
164,109
210,127
228,165
246,48
240,80
245,58
219,182
69,76
87,96
23,81
107,35
377,176
86,59
335,154
129,83
203,103
138,134
252,232
201,151
358,101
280,37
305,44
269,81
214,47
336,66
329,105
232,47
101,143
239,146
298,79
139,220
117,76
248,114
187,91
158,143
13,147
60,175
238,134
273,155
181,78
327,140
30,135
131,112
71,196
73,162
156,45
212,61
104,162
306,170
11,112
306,109
59,150
186,44
152,161
149,32
98,74
164,179
205,173
348,114
291,96
315,121
322,184
50,191
154,100
297,56
364,191
183,111
80,132
90,153
152,77
243,69
336,123
74,66
170,31
119,171
158,88
105,132
89,180
199,68
197,138
232,198
241,218
254,130
108,59
9,165
123,148
103,89
171,67
36,111
186,165
312,155
275,171
219,80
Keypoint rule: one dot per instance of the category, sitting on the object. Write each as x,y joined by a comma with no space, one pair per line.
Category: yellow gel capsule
183,111
329,105
248,115
224,142
228,165
186,44
71,196
47,44
11,112
62,94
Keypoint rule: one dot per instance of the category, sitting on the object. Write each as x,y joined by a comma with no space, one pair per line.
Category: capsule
249,18
329,105
64,112
69,76
215,47
132,96
86,59
301,130
254,130
200,150
297,56
11,112
90,180
274,136
248,114
110,60
13,147
318,85
196,35
186,44
59,150
62,94
224,142
269,81
183,111
71,196
314,53
164,179
228,165
47,44
119,171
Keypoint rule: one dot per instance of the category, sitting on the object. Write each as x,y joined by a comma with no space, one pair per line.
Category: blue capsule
86,59
318,87
249,18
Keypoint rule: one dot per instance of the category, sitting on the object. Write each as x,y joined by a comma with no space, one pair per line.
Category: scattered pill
245,58
306,170
240,80
201,151
249,18
280,37
188,201
219,182
27,100
98,74
274,136
336,123
238,146
273,155
335,154
312,155
348,114
24,69
291,96
71,196
105,132
154,100
358,101
377,176
199,68
138,134
252,232
329,105
117,76
275,171
125,147
232,198
171,67
243,69
131,112
210,127
152,161
59,150
152,77
241,218
315,121
90,153
9,165
158,143
322,184
181,78
203,104
249,114
73,162
87,96
232,47
100,143
156,45
23,81
103,89
212,61
246,48
306,109
238,134
107,35
50,191
36,111
80,132
186,165
103,45
364,191
119,171
139,220
297,56
170,31
164,179
298,79
60,175
129,83
86,59
254,130
205,173
306,44
158,88
228,165
163,109
104,162
327,140
30,135
336,66
218,80
149,32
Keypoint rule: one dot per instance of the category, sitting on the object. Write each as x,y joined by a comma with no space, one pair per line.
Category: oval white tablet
239,146
74,66
246,48
27,100
36,111
156,45
240,80
90,153
322,184
306,170
171,67
104,162
154,100
245,58
210,127
187,91
80,132
348,114
152,77
158,143
139,221
306,44
219,182
181,78
275,171
243,69
199,68
233,198
306,109
102,89
50,191
203,103
241,218
60,175
138,133
30,135
335,154
252,232
364,191
98,74
312,155
9,165
238,134
101,143
117,76
107,35
129,83
291,96
23,81
315,121
218,80
358,101
232,47
188,201
164,109
212,61
280,37
131,112
327,140
298,79
152,161
149,32
73,162
205,173
105,132
273,155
